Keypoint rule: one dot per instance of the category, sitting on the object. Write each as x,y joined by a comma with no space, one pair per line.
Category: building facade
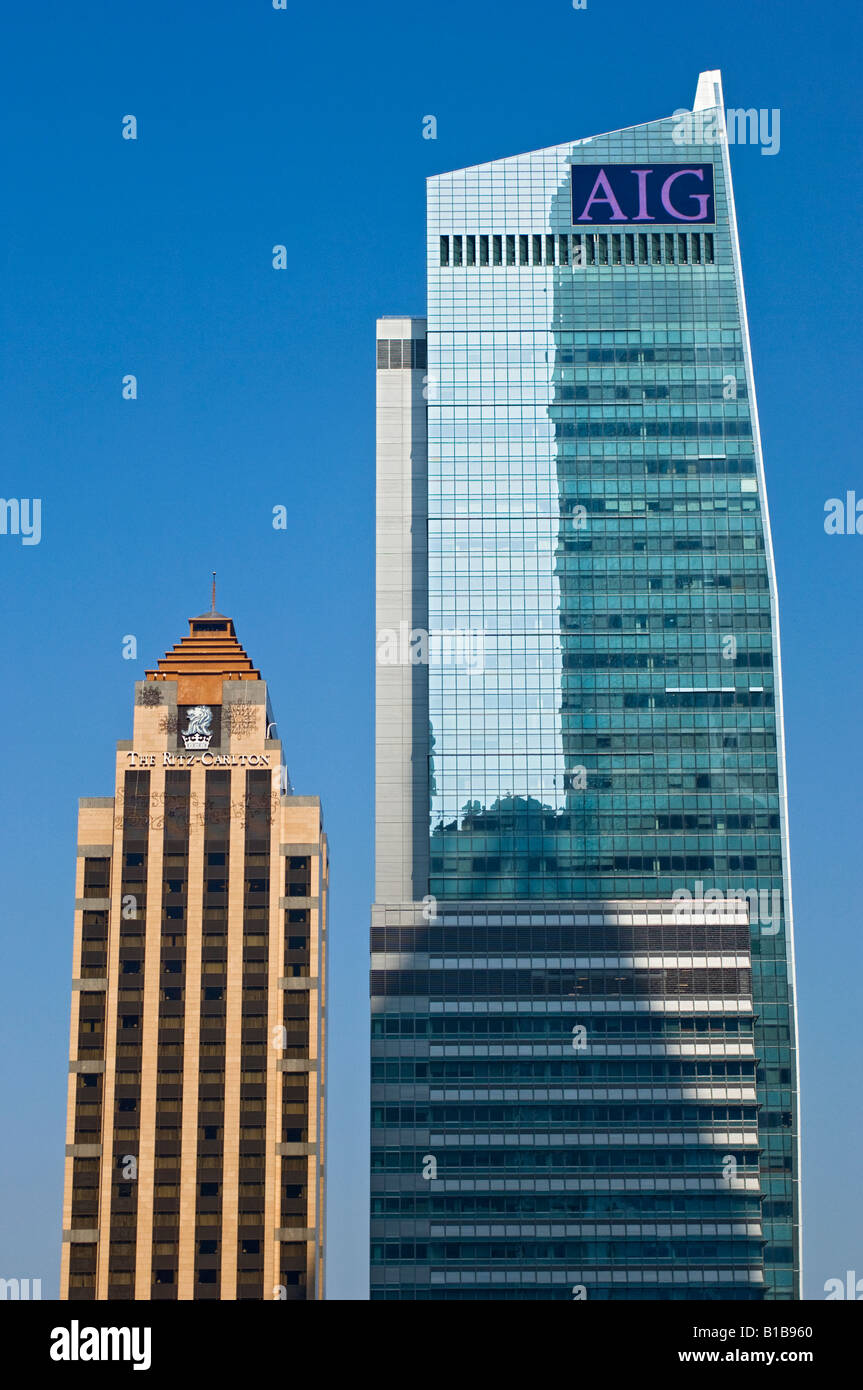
195,1126
584,1071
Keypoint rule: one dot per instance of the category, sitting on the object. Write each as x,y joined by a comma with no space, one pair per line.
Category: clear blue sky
256,387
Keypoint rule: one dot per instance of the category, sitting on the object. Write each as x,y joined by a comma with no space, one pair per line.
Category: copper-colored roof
210,649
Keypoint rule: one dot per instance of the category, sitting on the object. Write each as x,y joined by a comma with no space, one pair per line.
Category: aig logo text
617,194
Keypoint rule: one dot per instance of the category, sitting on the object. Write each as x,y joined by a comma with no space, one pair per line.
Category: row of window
590,1070
530,1026
539,1292
602,427
402,352
724,983
596,1159
743,1251
706,1206
457,357
578,249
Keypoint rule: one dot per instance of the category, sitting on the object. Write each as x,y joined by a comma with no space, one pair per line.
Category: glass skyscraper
584,1073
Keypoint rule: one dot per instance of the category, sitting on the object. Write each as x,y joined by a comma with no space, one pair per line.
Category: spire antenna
213,608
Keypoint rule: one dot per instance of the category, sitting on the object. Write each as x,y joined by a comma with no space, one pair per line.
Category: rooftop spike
709,91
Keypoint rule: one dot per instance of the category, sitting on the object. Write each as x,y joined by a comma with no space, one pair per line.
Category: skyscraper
195,1130
584,1078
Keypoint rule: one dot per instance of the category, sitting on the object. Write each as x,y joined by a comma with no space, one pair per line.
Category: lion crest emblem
199,728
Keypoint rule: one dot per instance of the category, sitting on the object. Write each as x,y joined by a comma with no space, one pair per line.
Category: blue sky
256,388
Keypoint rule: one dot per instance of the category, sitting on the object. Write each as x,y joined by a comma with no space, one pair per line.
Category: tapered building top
209,654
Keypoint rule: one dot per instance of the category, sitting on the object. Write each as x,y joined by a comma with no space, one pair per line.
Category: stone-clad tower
194,1153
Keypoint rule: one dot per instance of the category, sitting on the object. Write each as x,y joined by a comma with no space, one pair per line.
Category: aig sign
619,193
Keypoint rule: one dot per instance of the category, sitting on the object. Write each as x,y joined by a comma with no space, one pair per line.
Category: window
208,1247
392,352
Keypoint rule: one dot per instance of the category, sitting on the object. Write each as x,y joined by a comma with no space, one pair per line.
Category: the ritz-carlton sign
197,734
205,759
